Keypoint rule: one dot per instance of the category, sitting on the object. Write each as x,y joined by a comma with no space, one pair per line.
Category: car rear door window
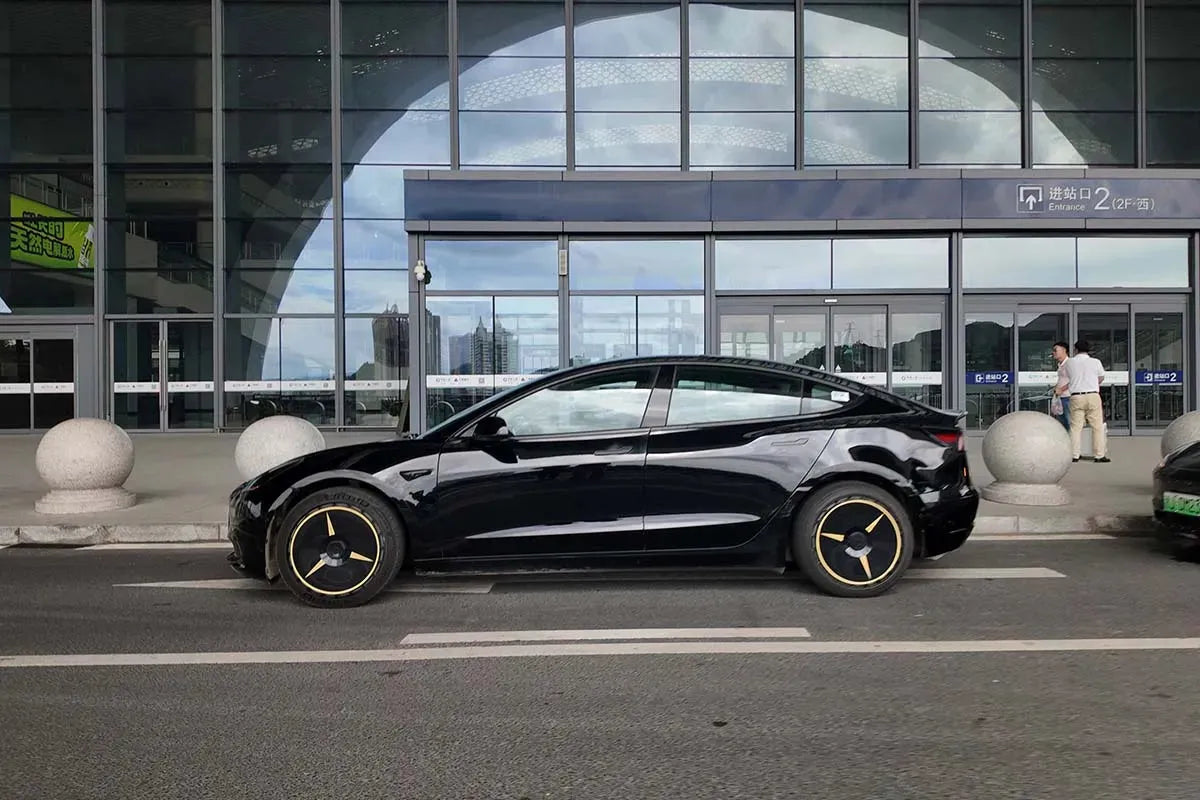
608,401
708,394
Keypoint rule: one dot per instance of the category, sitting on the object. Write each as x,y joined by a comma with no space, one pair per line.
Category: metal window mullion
99,211
564,304
914,90
798,69
1027,83
1195,323
219,228
417,334
569,77
452,49
1140,100
955,366
712,335
685,126
339,261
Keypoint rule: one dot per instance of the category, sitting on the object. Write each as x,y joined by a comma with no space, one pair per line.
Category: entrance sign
1170,377
989,378
812,196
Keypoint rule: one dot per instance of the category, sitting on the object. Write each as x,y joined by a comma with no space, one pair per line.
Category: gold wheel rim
331,563
882,529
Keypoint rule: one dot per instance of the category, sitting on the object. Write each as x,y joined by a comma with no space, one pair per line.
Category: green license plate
1177,503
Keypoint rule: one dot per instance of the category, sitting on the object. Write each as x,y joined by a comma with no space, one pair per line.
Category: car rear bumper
947,524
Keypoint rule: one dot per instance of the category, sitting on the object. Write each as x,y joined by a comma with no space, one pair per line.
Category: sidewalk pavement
183,483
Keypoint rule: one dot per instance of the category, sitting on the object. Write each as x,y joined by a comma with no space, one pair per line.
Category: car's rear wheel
339,547
853,539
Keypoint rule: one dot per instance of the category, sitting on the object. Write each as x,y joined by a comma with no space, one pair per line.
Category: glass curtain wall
46,158
1172,83
280,349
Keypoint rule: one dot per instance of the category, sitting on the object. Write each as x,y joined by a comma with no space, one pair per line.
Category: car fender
400,492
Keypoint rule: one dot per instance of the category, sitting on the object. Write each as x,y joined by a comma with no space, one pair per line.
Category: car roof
725,361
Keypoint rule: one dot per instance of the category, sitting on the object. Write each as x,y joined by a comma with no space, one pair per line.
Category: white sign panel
135,387
869,378
190,386
916,379
252,386
307,386
376,386
54,388
14,388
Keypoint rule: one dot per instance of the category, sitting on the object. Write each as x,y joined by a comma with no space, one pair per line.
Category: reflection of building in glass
391,333
482,352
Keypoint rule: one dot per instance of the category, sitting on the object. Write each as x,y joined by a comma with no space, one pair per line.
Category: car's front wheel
853,539
339,547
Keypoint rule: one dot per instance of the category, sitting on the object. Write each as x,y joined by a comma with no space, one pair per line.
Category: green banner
46,237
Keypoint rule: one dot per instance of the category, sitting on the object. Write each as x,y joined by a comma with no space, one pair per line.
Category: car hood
364,457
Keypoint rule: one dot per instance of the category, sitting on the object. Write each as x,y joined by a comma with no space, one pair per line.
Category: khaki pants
1086,408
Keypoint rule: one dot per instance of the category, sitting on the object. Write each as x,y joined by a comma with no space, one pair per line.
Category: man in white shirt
1084,376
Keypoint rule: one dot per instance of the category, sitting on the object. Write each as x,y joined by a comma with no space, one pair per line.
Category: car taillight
956,440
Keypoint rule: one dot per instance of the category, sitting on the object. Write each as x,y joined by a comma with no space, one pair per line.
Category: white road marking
982,573
160,546
594,649
252,584
1040,537
469,637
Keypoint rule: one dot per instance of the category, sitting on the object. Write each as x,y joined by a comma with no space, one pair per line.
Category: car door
737,441
556,472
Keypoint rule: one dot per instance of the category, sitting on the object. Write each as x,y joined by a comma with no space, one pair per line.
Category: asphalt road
997,718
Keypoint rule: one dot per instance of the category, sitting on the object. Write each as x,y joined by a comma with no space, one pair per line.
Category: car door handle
615,450
790,442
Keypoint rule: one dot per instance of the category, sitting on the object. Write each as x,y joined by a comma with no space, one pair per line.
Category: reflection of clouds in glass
763,264
511,29
307,292
972,85
305,350
399,137
1011,261
375,291
317,251
492,265
720,140
626,30
627,84
842,138
1141,261
742,84
513,84
375,243
719,30
908,263
645,264
971,138
513,138
374,192
855,84
833,30
627,139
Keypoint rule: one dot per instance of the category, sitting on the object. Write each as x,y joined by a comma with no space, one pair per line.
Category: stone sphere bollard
85,462
1028,453
1184,430
272,441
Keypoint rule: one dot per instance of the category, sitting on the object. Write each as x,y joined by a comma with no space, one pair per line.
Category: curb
77,535
112,534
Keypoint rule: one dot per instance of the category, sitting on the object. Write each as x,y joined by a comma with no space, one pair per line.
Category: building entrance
1142,346
894,343
39,376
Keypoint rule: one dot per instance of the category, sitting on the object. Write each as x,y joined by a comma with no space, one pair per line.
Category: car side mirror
492,429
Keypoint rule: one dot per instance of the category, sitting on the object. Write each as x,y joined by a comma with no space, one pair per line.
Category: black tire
870,564
339,547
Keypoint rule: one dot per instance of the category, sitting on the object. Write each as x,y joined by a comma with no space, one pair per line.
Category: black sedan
1177,495
682,462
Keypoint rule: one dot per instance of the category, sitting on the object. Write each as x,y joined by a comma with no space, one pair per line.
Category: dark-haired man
1084,376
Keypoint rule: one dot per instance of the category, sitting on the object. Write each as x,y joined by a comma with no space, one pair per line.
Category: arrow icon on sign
1030,198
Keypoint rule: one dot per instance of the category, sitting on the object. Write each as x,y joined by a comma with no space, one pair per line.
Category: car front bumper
247,534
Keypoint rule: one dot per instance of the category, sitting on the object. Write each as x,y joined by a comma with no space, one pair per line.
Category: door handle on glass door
615,450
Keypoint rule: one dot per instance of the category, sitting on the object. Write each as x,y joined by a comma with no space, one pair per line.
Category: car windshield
454,421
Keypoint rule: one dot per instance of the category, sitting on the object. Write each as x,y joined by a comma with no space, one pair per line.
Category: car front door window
591,404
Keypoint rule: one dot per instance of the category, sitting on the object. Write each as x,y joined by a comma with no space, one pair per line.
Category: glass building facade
207,200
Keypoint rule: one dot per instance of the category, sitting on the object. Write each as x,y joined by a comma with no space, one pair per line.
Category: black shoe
1105,460
1074,460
